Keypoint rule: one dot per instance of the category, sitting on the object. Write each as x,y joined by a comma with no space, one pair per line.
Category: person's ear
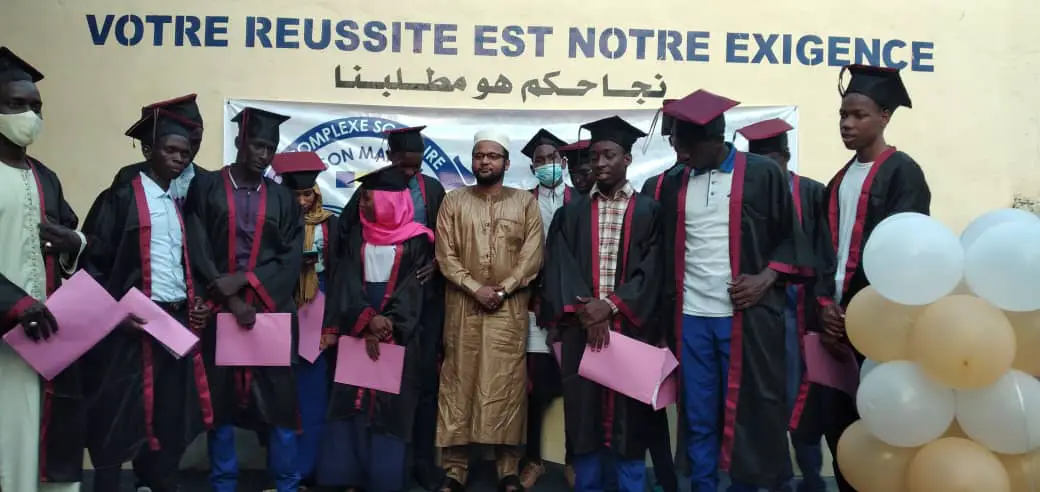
886,116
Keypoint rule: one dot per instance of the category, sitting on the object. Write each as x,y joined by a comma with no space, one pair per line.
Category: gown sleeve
13,302
196,209
909,190
637,296
792,255
274,280
562,279
529,261
434,198
447,256
104,233
826,260
69,262
404,308
330,325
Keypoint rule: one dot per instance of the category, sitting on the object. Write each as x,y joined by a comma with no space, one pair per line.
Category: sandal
510,483
451,485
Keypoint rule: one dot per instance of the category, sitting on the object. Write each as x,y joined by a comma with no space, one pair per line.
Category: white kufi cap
492,136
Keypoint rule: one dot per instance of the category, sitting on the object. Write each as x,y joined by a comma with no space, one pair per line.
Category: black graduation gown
595,416
130,375
763,234
894,184
62,409
391,414
808,204
124,175
652,186
209,212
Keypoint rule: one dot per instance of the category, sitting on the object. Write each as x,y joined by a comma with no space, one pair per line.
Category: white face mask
22,128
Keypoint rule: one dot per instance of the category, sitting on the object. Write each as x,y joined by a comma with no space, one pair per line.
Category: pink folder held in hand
821,367
356,368
85,314
267,344
635,369
311,317
160,325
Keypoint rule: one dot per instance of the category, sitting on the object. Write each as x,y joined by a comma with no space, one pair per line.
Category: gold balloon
963,342
1027,337
953,464
869,464
1023,471
878,327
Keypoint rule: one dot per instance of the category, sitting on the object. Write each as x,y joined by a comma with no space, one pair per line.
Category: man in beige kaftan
489,248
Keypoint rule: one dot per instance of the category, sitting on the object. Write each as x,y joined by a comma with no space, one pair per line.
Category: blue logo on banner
449,170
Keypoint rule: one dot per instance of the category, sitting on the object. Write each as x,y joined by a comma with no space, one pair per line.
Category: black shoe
428,477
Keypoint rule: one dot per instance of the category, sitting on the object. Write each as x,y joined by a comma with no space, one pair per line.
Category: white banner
349,138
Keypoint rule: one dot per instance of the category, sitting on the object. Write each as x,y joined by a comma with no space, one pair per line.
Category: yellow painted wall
973,129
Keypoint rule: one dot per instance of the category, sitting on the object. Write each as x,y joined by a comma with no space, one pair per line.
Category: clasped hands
379,329
227,289
490,297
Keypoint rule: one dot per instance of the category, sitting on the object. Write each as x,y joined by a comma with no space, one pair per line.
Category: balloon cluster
948,400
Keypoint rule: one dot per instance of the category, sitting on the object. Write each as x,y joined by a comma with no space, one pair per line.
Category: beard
490,179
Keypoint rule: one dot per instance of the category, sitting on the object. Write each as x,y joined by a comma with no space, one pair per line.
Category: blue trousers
312,389
354,455
705,366
809,455
596,472
281,459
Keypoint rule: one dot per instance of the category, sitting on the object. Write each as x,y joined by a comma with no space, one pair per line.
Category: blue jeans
705,365
595,472
281,459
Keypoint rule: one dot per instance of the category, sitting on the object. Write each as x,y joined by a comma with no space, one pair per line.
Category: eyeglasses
491,156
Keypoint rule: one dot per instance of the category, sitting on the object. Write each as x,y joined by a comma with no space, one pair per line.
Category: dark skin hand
832,317
38,322
490,297
199,315
245,314
58,239
310,260
133,323
425,273
372,346
747,290
228,285
594,315
381,327
328,341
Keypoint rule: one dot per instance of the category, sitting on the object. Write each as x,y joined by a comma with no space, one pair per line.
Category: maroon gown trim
736,348
803,387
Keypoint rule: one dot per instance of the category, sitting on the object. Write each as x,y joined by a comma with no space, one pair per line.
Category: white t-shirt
848,201
707,270
379,262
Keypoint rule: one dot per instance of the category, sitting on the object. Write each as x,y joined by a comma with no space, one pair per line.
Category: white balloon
993,218
1003,266
1005,416
913,259
902,406
868,365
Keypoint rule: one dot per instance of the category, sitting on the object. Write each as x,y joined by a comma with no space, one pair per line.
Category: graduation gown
763,234
247,397
894,184
808,201
403,305
124,175
62,410
130,375
652,187
595,416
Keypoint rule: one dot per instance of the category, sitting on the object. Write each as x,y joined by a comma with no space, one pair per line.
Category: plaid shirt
611,221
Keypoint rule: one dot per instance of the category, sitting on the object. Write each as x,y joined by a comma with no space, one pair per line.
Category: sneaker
532,472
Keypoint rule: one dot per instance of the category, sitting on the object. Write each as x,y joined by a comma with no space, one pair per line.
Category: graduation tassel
650,133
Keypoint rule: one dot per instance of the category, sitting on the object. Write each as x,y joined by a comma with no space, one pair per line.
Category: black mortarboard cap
405,139
159,123
667,121
882,85
699,115
389,178
186,106
543,137
299,170
576,153
257,124
767,136
613,129
13,68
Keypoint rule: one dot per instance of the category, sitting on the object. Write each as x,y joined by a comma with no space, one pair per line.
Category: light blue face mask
549,175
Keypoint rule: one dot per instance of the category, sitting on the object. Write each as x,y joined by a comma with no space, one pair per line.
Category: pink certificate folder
354,367
823,368
160,325
85,313
311,318
267,344
633,368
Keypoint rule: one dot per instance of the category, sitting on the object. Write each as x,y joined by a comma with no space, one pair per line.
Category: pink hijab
394,219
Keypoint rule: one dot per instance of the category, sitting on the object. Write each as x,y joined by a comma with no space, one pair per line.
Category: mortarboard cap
389,178
667,121
882,85
543,137
766,136
257,124
159,123
186,106
405,139
299,170
613,129
699,115
13,68
576,153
